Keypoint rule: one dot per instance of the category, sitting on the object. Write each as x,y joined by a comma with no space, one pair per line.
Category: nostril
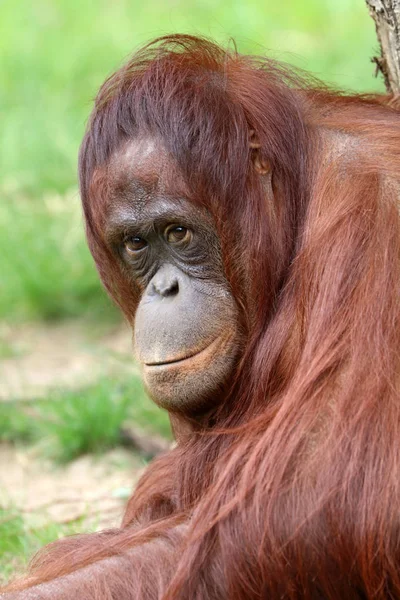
173,289
166,289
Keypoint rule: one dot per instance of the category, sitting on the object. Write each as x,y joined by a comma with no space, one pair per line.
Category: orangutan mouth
201,355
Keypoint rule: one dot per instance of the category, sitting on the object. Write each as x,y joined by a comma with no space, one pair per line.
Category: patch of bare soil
61,355
91,489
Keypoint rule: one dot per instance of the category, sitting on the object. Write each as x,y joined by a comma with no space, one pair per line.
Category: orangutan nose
165,283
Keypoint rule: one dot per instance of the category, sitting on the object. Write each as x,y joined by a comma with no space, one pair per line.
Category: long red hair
292,489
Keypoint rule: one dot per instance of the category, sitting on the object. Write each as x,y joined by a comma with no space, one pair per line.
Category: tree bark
386,14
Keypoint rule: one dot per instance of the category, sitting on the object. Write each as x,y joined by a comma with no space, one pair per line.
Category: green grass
68,424
16,425
47,272
54,56
19,540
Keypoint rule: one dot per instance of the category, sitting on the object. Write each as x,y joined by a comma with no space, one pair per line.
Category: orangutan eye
134,244
177,234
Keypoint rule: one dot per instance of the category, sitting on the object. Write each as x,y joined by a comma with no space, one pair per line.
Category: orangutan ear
254,142
261,165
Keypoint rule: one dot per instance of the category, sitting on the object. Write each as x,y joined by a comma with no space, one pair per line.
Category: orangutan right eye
135,244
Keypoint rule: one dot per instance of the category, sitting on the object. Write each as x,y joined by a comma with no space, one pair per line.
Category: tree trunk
386,14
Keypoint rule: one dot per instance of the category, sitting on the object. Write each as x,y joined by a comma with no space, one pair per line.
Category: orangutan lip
177,361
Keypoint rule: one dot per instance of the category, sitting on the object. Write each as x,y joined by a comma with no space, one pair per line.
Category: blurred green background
56,323
54,54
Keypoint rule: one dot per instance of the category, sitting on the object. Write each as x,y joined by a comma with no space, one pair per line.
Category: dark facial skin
186,325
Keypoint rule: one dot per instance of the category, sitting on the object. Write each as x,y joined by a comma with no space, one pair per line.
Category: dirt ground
91,489
37,359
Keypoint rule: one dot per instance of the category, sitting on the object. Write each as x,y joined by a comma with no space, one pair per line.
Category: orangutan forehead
144,168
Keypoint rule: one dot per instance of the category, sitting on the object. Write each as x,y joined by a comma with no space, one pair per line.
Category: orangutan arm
141,572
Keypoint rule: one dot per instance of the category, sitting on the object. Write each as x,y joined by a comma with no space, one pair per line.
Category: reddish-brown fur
293,489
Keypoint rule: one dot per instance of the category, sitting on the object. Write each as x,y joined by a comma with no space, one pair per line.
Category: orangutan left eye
177,234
